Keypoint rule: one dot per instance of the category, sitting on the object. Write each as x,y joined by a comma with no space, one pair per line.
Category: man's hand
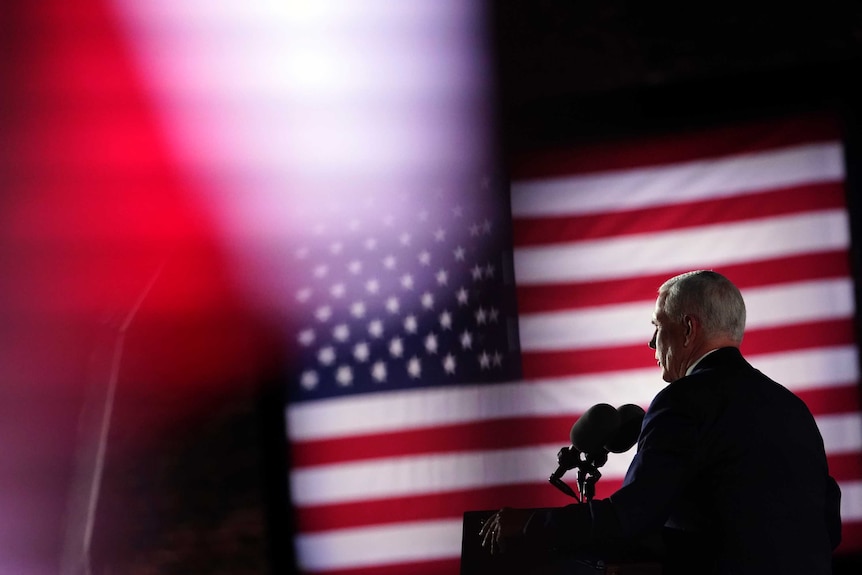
507,523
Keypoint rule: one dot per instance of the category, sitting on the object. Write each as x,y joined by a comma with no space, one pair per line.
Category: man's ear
690,324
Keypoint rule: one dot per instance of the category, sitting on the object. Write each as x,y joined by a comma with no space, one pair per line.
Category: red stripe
563,229
430,567
428,507
676,147
845,466
472,436
851,538
551,364
551,297
834,399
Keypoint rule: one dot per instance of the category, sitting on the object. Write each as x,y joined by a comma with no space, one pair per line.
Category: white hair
709,296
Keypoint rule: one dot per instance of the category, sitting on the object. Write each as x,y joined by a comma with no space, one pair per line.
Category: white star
389,262
388,220
489,271
439,235
303,295
466,340
375,328
477,272
396,347
484,361
357,309
480,316
449,363
306,337
459,254
425,257
442,277
344,375
326,355
341,332
338,290
431,343
407,281
320,271
361,352
410,324
427,300
457,211
404,239
370,244
497,359
308,379
301,253
354,267
423,216
462,296
353,225
392,305
414,367
446,320
323,313
493,314
336,248
378,371
486,226
474,230
372,286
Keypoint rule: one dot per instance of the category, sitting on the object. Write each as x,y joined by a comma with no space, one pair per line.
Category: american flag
380,480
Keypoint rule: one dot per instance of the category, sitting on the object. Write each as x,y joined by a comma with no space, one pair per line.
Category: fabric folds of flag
380,480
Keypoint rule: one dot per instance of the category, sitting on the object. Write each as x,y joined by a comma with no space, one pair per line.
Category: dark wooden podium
536,558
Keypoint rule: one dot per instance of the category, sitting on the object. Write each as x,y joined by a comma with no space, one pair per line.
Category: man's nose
652,341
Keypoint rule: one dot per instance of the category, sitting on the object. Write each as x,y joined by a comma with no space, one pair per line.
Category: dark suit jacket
731,467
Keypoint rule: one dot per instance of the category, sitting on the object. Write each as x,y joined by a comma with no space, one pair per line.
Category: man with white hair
730,470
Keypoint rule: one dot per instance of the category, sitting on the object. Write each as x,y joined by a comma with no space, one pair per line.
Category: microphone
594,428
631,419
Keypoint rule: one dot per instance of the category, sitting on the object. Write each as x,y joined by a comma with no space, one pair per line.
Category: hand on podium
505,525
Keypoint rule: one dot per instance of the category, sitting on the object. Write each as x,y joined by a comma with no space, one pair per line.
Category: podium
526,557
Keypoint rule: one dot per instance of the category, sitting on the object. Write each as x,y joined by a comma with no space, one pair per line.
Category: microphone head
593,429
631,418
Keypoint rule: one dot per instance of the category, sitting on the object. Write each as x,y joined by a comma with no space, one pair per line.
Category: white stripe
677,183
628,324
385,545
842,433
417,409
441,539
808,369
851,501
424,474
695,248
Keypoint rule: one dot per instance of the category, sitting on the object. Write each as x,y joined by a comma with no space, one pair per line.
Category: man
730,468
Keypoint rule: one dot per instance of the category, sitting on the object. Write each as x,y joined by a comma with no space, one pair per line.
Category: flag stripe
628,323
793,268
726,244
558,363
561,229
624,190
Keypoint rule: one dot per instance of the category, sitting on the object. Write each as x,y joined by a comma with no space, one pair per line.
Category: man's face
667,341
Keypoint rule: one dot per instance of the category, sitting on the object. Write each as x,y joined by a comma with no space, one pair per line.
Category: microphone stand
588,472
